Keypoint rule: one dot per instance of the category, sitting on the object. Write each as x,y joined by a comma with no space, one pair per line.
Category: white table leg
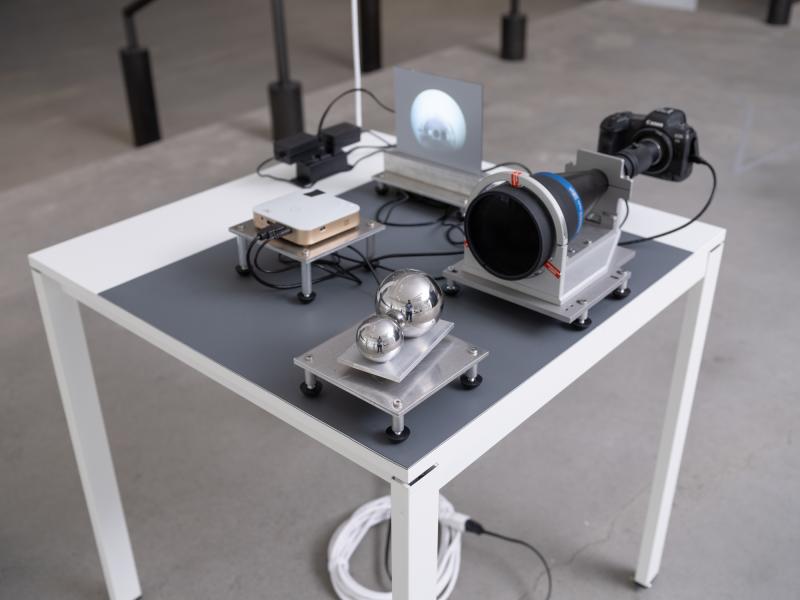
676,420
415,528
73,367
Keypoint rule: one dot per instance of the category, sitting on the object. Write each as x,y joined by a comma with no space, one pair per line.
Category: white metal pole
356,60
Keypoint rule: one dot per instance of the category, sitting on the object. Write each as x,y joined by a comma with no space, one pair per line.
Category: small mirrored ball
412,298
379,338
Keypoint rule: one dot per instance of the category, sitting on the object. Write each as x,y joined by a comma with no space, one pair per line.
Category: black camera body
660,144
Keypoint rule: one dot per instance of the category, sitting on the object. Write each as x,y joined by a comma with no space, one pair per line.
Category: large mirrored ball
412,298
379,338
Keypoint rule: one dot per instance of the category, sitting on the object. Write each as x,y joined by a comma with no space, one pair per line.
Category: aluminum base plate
428,179
567,312
423,188
303,254
414,350
446,362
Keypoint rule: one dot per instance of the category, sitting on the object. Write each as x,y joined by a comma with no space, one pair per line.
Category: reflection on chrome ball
379,338
412,298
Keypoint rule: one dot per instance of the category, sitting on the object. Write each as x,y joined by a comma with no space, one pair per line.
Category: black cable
366,156
415,254
365,147
392,204
698,160
477,528
366,262
627,212
387,563
263,164
448,234
267,161
380,137
342,95
253,267
508,164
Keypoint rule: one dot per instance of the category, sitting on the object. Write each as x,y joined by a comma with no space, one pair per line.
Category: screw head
587,242
473,351
582,301
397,405
305,251
308,358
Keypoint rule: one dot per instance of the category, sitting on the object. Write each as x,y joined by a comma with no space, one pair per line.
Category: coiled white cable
349,534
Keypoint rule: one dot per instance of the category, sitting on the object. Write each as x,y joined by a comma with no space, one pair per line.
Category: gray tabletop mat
254,331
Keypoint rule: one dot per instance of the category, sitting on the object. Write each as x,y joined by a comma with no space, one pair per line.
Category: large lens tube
576,192
510,231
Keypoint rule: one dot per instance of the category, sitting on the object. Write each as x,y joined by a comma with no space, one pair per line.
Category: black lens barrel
640,156
510,231
576,192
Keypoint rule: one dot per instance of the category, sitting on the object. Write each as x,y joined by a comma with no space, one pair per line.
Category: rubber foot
471,384
451,290
580,326
397,437
311,392
306,299
243,271
381,189
619,294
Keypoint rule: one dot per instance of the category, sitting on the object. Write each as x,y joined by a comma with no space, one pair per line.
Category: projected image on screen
439,120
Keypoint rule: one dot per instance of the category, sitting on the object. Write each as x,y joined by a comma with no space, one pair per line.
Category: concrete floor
224,501
61,96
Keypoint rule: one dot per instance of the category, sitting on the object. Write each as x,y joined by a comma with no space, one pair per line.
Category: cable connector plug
473,526
456,521
273,232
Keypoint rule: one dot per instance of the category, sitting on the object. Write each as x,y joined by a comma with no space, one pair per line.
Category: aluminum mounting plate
567,312
304,254
428,179
423,188
446,362
413,351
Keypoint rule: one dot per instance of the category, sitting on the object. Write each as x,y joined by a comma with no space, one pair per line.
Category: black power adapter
317,156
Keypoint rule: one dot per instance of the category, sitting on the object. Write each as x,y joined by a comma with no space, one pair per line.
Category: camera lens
661,147
509,232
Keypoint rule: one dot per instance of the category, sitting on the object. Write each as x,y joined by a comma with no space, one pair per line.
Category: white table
79,270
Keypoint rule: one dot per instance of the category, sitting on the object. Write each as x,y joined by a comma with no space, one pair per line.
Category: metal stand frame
285,95
305,255
780,12
582,271
443,361
369,18
139,87
415,176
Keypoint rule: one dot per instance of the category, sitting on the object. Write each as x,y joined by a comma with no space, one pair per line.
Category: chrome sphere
412,298
379,338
